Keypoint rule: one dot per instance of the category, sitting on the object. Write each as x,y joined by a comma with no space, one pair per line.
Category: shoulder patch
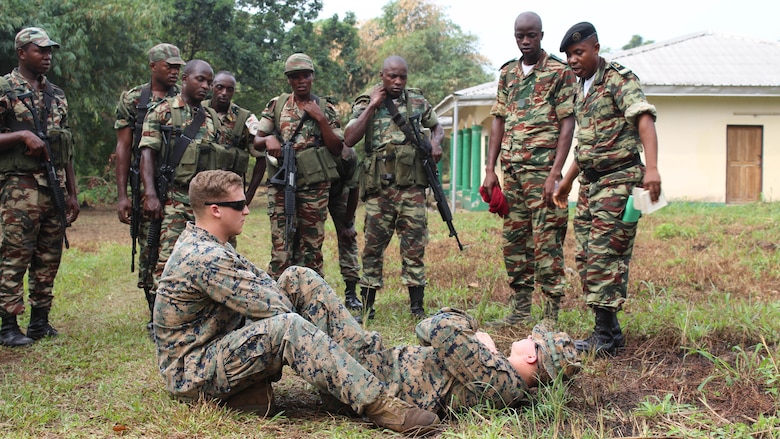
623,70
507,63
553,57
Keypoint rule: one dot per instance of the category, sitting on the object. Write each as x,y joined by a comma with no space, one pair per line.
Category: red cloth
496,201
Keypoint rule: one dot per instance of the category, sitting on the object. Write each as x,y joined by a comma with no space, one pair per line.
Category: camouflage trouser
604,241
311,210
348,247
32,240
533,237
142,263
177,214
402,211
311,341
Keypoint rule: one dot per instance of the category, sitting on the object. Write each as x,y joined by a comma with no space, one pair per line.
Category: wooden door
743,164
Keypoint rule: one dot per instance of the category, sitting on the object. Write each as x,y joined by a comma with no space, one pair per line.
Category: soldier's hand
348,232
561,195
436,151
548,190
652,183
491,179
377,96
152,207
72,208
314,110
34,144
124,210
273,147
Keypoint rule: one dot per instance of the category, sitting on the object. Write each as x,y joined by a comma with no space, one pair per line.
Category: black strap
399,120
140,113
48,96
186,137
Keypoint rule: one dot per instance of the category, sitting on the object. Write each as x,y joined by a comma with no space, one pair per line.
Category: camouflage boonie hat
34,35
166,52
297,62
557,354
577,33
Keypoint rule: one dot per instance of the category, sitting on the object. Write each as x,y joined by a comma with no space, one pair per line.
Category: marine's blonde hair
212,186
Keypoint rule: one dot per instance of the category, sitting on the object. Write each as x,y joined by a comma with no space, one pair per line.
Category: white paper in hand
643,203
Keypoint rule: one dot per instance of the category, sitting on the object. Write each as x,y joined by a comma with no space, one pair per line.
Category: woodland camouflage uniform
532,106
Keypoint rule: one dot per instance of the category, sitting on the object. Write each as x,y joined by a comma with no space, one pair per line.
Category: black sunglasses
238,205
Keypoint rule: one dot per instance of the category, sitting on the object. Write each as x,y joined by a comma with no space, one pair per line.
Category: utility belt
593,175
314,164
393,165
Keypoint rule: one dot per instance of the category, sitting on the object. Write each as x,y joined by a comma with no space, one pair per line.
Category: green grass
702,321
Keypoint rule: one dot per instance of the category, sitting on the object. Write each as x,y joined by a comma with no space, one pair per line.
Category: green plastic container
630,214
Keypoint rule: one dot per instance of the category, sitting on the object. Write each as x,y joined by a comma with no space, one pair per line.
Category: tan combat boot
257,398
402,417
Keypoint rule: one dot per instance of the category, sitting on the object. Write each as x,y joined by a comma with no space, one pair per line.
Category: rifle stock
432,172
285,177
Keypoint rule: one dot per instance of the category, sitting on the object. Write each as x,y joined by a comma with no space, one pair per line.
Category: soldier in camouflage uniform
615,123
342,204
32,231
208,291
165,63
317,147
393,181
202,153
232,123
532,130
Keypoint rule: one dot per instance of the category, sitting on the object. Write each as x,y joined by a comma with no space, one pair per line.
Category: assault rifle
162,182
423,145
135,214
58,196
286,176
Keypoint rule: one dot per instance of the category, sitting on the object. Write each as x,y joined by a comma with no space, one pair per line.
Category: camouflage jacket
227,123
205,292
532,107
127,106
608,136
451,369
381,131
13,111
290,116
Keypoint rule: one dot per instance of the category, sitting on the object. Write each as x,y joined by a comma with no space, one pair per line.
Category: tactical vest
14,159
315,164
391,164
203,154
228,157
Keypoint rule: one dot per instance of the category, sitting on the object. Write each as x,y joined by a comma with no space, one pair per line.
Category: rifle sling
400,120
140,114
186,137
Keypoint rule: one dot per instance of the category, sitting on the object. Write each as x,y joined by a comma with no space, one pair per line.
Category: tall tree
636,41
441,57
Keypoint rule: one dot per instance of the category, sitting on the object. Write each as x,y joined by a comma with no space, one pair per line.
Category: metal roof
706,63
700,64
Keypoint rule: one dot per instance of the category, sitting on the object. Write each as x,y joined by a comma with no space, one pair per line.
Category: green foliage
668,231
636,41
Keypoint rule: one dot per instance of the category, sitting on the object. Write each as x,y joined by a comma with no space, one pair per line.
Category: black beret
575,34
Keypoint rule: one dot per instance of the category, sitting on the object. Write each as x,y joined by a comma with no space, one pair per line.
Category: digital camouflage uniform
32,234
337,206
607,153
126,111
177,210
311,199
393,190
532,107
203,347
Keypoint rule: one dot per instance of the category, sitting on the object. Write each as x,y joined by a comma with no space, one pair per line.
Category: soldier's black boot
39,324
350,297
368,295
416,295
10,335
618,341
601,341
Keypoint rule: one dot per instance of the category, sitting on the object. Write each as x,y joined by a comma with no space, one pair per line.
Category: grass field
702,326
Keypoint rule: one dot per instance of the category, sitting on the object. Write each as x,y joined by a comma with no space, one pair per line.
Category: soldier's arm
649,138
257,177
124,140
494,146
561,152
72,203
356,128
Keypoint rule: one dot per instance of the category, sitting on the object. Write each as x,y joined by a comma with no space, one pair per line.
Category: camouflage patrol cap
557,354
34,35
297,62
166,52
577,33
